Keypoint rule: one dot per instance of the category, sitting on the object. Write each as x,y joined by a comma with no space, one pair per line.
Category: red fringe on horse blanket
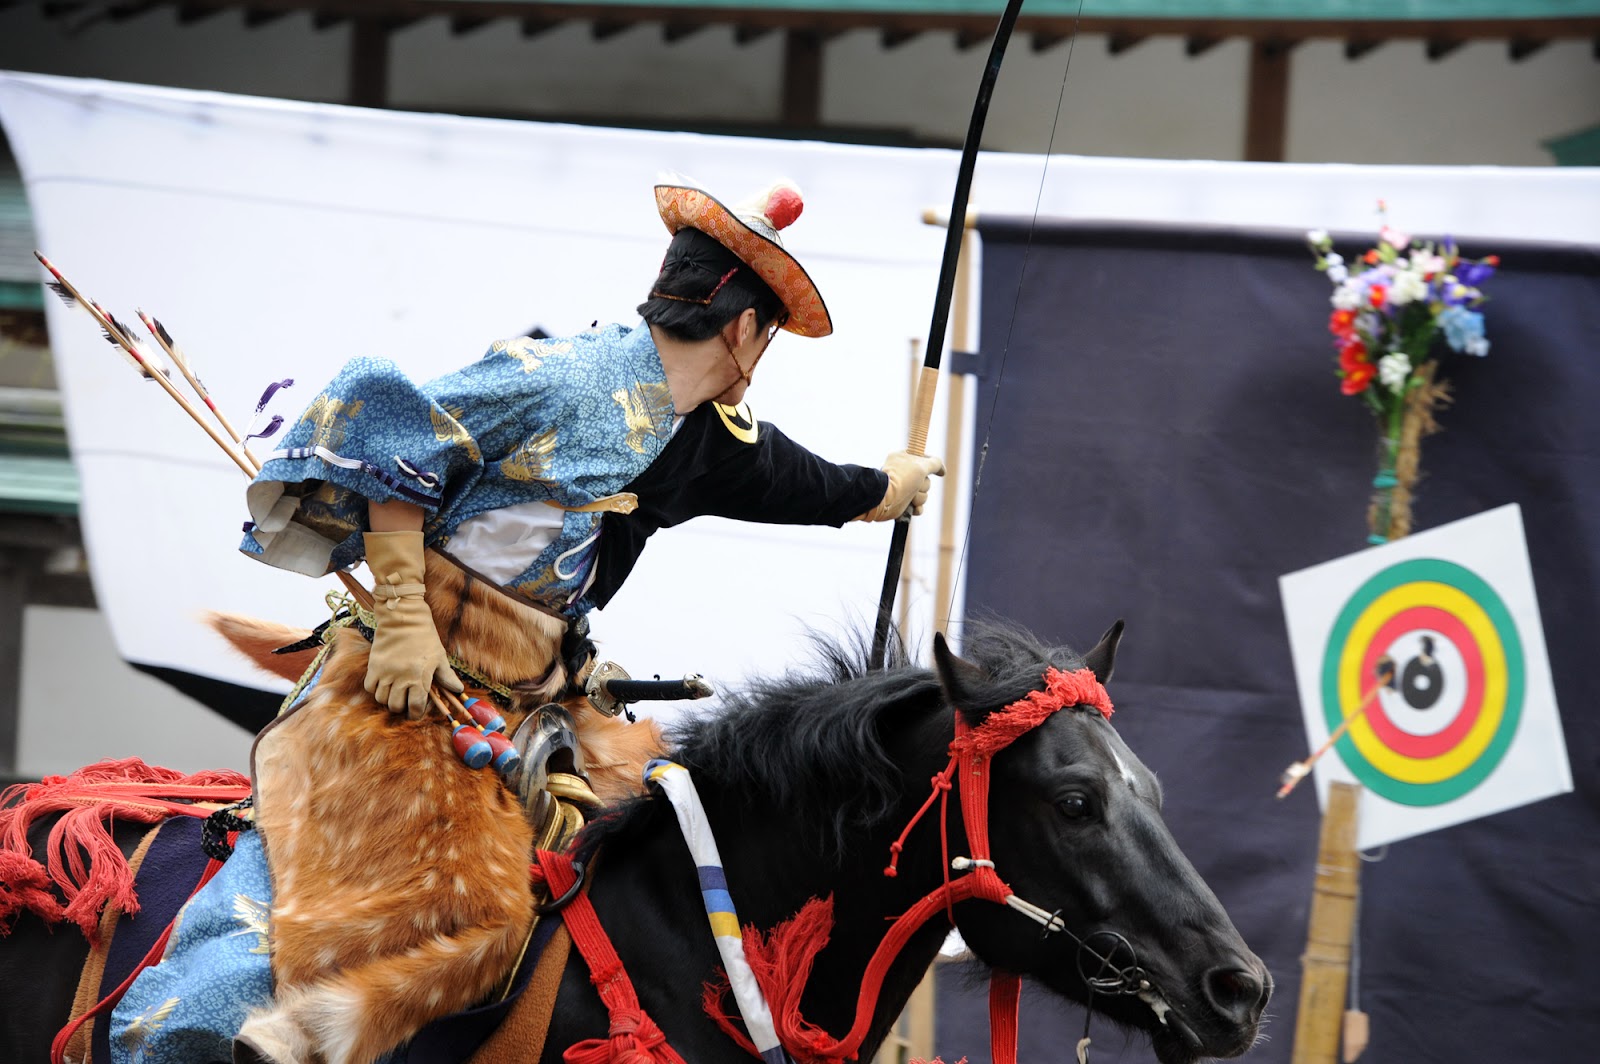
82,861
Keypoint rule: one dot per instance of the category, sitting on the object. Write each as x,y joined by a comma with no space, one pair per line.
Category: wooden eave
471,14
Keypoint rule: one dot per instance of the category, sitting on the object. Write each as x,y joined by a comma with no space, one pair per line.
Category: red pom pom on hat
783,204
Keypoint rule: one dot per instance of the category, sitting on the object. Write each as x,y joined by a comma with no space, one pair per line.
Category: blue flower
1463,330
1473,274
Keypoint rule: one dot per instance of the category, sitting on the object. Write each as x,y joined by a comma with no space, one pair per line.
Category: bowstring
1016,302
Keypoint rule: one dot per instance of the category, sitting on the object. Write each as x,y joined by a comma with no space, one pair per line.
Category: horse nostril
1237,993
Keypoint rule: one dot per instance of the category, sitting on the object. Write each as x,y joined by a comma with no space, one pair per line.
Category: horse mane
811,741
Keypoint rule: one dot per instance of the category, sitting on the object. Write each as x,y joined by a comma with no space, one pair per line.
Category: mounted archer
495,507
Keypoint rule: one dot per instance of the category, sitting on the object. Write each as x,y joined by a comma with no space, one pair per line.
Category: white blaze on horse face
1122,767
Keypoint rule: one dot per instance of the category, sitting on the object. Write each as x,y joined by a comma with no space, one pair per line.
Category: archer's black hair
693,267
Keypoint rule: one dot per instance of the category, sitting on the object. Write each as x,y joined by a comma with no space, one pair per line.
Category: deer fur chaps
400,876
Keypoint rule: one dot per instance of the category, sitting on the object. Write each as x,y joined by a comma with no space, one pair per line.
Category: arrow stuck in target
1298,771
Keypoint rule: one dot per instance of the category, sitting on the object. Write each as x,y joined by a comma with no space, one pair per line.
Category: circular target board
1452,709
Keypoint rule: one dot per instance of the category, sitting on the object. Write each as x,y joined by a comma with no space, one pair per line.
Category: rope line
1005,350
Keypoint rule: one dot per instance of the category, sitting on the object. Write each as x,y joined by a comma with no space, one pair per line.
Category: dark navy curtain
1161,436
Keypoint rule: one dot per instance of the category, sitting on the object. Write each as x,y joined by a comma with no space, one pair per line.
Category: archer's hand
909,479
406,657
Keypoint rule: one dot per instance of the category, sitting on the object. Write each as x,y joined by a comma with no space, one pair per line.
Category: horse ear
1103,657
960,678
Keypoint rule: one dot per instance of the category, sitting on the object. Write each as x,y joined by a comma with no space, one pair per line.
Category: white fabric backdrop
277,239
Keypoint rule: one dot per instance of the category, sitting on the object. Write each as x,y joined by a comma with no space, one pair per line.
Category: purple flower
1473,274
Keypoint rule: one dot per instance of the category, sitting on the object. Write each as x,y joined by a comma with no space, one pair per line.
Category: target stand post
1325,965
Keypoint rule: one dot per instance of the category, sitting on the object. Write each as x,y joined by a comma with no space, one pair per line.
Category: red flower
1371,257
1491,260
1353,354
1357,377
1377,294
1342,322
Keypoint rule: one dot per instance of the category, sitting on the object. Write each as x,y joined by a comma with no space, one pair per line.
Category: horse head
1075,828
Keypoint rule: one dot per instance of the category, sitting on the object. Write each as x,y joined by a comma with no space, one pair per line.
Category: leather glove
406,656
908,485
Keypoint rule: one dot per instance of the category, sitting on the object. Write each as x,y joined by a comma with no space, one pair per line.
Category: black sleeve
777,481
721,464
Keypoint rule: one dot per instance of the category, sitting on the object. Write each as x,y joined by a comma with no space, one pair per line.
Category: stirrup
546,736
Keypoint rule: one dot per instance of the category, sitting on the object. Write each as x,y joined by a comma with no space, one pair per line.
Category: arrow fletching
61,291
168,345
138,353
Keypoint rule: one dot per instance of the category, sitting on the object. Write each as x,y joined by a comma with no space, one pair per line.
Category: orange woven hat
750,230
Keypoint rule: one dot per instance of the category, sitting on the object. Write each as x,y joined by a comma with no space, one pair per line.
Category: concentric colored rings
1451,603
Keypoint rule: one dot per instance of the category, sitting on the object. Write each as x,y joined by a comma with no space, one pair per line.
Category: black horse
807,781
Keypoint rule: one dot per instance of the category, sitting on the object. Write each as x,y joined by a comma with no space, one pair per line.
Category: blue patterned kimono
187,1008
566,421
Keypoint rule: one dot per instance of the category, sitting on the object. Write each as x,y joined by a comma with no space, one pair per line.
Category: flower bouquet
1391,309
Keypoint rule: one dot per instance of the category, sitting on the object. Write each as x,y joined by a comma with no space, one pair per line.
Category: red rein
782,964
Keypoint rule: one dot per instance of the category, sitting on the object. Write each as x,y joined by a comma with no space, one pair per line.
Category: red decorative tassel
781,962
82,859
25,888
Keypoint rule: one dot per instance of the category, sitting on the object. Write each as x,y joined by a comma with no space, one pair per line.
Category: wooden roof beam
605,29
966,40
1356,47
1119,41
255,16
461,25
750,34
326,20
1197,45
124,12
891,39
1439,47
534,27
1043,42
673,32
189,14
1520,48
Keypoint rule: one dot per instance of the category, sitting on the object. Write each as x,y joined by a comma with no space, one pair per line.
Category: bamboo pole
1325,965
903,610
955,414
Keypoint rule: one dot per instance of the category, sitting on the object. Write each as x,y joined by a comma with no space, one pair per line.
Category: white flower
1407,287
1393,369
1317,238
1477,345
1347,296
1425,262
1337,273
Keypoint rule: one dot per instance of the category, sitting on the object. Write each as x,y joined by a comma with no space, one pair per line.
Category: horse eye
1075,805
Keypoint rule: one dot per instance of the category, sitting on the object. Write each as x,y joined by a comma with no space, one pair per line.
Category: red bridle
971,751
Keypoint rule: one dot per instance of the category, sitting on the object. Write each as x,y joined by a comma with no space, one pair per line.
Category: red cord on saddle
633,1037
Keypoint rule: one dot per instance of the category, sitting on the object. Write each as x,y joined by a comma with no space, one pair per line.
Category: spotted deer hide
400,876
